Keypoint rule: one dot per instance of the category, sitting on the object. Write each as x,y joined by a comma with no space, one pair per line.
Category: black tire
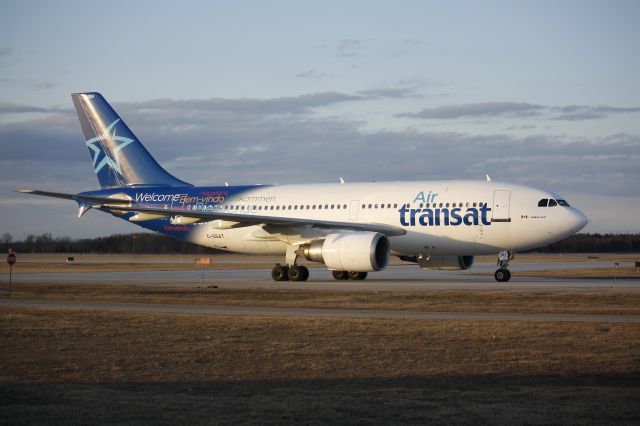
280,273
296,273
502,275
340,275
358,276
305,273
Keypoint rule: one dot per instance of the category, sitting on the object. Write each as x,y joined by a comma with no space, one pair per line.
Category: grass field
65,366
102,367
568,302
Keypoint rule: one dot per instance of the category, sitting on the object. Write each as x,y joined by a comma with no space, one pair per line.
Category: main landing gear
290,273
503,274
349,275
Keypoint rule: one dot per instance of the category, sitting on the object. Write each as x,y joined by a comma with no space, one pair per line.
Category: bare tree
7,238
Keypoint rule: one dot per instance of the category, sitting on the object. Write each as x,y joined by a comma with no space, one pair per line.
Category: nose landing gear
503,274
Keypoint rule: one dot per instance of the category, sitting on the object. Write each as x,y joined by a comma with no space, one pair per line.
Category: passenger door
500,211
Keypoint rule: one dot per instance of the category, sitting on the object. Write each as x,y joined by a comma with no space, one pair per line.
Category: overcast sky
543,93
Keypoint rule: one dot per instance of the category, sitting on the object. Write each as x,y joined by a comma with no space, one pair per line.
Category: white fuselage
439,217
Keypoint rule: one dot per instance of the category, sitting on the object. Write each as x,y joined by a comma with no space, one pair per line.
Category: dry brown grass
609,302
88,347
78,367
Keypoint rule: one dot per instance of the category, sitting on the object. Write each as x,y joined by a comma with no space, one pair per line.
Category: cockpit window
552,203
563,203
543,202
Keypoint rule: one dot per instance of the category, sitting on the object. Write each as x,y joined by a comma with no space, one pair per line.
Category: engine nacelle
350,251
445,262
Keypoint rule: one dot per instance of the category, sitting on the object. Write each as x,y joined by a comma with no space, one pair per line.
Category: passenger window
543,202
552,203
395,206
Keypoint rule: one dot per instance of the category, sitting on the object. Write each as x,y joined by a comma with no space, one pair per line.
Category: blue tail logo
94,145
106,136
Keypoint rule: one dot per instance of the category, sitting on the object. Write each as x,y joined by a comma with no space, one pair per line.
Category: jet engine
350,251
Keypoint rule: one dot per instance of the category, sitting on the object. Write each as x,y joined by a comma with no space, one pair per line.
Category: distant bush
139,243
147,243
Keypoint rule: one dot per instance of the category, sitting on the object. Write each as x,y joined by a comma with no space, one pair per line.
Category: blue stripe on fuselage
201,199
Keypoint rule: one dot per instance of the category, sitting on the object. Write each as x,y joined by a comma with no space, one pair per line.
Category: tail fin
119,159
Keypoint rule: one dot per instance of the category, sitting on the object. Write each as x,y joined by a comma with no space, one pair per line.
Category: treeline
139,243
595,243
146,243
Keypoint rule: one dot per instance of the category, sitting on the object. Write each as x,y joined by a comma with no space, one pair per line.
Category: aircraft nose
578,220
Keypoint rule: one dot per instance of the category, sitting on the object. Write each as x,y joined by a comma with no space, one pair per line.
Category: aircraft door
353,210
500,211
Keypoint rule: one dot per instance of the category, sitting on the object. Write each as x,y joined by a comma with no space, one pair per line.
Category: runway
314,313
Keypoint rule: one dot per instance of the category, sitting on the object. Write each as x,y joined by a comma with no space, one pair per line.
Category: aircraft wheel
340,275
280,273
502,275
359,276
298,273
305,273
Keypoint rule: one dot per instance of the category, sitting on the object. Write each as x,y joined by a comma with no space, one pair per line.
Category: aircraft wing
243,219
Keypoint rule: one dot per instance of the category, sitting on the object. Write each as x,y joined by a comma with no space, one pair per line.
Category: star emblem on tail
95,146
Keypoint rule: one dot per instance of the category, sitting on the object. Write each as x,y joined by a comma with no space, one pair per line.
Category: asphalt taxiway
406,277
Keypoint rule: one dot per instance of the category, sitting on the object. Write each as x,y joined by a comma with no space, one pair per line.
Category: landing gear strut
503,274
290,271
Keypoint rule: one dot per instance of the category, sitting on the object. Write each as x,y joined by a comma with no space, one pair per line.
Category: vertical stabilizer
119,159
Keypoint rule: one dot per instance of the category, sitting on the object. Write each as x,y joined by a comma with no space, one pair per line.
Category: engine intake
350,251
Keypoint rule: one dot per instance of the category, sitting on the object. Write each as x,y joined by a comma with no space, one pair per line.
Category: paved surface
316,313
408,277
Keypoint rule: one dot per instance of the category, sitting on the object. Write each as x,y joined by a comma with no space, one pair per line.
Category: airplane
352,228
